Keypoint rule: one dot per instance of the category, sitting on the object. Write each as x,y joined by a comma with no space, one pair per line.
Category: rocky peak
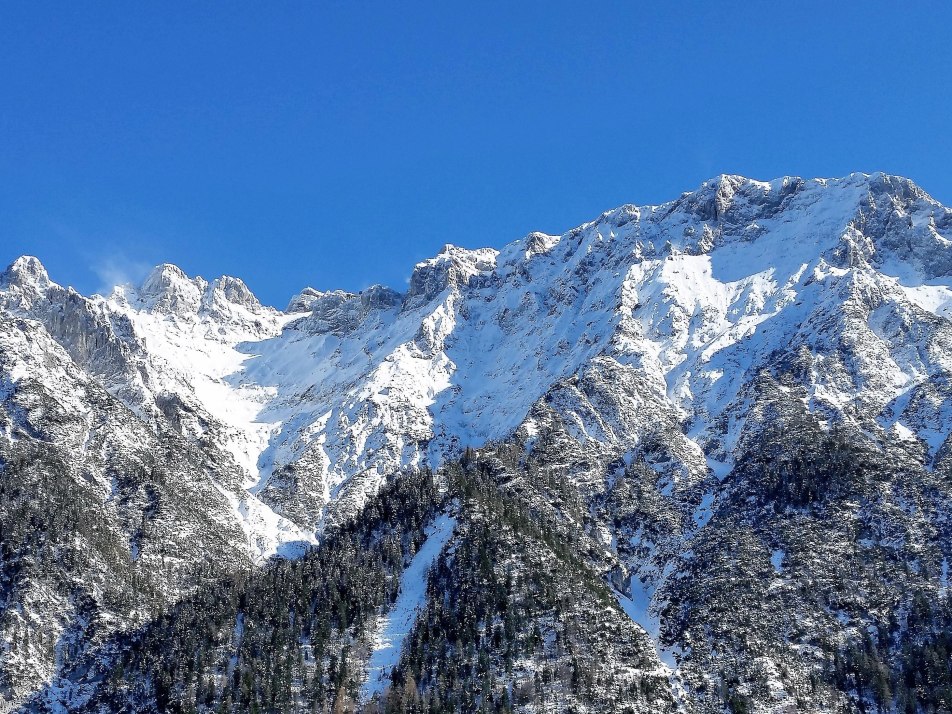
25,284
732,200
25,271
451,267
303,301
339,312
379,297
537,243
898,227
225,291
335,312
168,289
899,188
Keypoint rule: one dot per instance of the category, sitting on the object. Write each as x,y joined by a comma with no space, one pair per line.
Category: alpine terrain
690,458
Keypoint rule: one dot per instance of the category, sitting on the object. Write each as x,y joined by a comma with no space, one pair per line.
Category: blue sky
335,144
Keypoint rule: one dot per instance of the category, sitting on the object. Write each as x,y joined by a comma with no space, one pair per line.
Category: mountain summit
734,408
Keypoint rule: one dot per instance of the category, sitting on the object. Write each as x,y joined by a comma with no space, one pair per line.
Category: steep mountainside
707,441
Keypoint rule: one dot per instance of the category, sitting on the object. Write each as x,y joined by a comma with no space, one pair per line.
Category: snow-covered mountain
668,336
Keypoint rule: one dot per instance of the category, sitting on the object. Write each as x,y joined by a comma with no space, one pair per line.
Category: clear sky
336,144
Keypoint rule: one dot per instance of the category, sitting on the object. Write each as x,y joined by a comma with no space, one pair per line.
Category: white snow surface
394,626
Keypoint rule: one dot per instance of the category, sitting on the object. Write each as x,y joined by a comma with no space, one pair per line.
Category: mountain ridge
638,363
719,202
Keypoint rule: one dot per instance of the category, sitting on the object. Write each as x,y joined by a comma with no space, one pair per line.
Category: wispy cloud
118,269
105,248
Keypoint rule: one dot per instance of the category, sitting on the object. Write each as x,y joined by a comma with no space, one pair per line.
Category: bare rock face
451,269
303,300
339,313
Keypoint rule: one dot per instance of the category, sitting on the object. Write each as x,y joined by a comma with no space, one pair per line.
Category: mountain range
691,457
